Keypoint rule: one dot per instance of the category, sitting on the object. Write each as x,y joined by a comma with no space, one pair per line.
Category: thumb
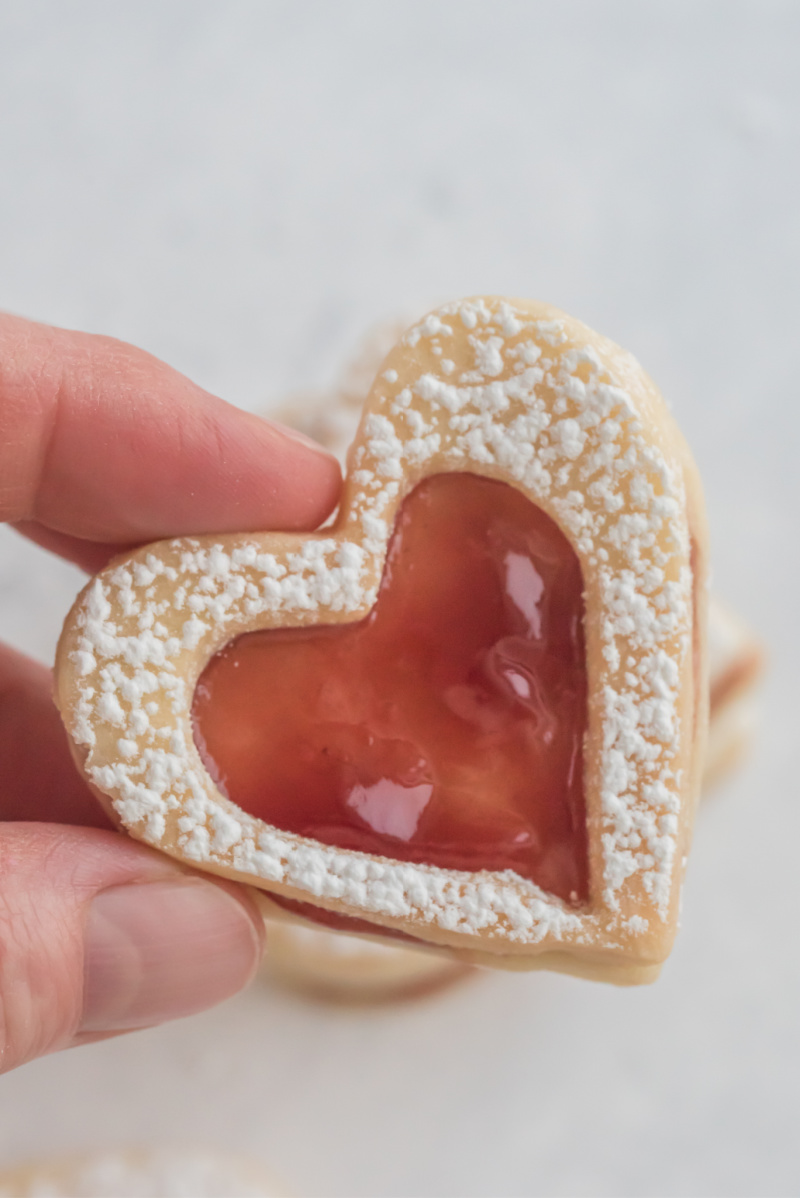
99,935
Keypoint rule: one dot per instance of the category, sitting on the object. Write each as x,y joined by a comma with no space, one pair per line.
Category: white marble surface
242,188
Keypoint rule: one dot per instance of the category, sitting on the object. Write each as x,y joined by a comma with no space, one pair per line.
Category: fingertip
209,467
136,452
241,472
311,477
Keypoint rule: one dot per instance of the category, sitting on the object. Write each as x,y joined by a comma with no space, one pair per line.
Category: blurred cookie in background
339,968
736,663
331,417
143,1173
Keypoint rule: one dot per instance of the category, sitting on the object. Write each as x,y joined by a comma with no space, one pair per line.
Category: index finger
101,441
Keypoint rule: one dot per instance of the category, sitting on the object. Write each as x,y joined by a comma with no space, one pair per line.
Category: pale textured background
242,188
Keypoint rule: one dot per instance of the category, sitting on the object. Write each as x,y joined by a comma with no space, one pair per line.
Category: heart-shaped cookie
509,391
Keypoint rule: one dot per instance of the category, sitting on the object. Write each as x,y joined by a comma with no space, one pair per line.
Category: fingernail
160,950
293,434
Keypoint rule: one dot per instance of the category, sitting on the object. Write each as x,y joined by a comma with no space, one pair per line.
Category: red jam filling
447,726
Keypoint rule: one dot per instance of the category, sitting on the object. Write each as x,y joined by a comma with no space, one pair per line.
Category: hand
102,447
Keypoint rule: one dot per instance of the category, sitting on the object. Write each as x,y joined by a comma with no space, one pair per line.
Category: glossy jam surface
444,728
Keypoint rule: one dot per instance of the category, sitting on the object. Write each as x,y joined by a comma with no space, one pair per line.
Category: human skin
103,447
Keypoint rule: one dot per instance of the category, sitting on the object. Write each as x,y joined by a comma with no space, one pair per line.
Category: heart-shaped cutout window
445,728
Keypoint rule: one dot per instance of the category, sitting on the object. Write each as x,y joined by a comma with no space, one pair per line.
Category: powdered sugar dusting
480,386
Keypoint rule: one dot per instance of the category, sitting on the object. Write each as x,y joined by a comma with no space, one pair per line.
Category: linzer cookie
736,662
355,970
472,712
